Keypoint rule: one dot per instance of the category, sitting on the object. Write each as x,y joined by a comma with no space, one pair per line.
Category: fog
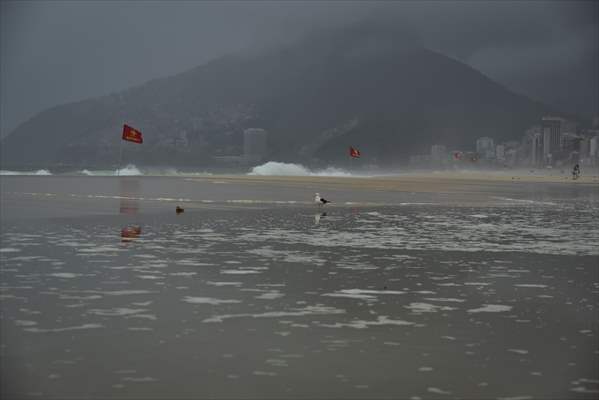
58,52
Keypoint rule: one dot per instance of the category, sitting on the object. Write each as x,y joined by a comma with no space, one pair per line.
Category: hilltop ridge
372,87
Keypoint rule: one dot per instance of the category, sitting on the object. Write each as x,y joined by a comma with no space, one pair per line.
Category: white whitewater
39,172
274,168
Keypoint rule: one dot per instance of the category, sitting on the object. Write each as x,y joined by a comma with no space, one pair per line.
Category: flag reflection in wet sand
129,233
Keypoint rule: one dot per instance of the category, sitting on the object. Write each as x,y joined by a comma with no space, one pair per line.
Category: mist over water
39,172
270,168
129,170
198,260
275,168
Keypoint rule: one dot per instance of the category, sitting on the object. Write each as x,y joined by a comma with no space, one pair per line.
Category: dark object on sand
576,172
179,210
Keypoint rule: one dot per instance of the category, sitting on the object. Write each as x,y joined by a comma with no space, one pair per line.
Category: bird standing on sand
319,200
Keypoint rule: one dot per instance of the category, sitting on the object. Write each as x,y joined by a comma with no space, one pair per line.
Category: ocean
405,288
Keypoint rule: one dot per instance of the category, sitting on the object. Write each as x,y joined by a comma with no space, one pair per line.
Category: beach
415,286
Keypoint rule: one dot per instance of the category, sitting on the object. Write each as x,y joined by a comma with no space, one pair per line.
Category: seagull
319,200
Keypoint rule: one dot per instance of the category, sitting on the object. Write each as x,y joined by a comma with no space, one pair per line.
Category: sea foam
39,172
287,169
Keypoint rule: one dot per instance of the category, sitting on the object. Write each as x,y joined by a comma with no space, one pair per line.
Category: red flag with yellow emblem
131,134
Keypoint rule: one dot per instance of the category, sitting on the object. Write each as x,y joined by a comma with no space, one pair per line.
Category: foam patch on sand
425,307
362,294
68,328
310,310
208,300
491,308
360,324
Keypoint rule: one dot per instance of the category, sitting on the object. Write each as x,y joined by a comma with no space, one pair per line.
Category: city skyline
555,141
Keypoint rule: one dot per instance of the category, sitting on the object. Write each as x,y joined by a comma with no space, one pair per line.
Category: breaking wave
132,170
39,172
286,169
129,170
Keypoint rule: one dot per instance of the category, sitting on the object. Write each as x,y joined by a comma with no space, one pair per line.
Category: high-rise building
546,145
570,142
594,147
552,136
438,152
485,147
536,149
532,143
255,144
569,127
500,152
584,147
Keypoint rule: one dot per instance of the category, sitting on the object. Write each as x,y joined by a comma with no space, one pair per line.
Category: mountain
365,86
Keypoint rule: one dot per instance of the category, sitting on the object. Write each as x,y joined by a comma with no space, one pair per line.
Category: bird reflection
130,233
318,216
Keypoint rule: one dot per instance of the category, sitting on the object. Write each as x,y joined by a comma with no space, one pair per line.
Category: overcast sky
55,52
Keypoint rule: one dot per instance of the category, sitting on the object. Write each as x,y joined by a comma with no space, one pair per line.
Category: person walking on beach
576,172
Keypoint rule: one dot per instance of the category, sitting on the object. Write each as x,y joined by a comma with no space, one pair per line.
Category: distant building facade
536,149
500,152
438,153
594,151
485,147
584,147
594,146
552,137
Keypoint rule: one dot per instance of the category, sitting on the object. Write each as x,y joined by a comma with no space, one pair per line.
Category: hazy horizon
59,52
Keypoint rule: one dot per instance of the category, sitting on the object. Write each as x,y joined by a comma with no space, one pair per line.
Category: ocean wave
132,170
39,172
287,169
129,170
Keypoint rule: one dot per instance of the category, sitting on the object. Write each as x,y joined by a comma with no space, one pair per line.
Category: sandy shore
52,196
412,182
295,302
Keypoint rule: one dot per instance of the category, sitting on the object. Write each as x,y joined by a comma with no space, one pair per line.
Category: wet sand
478,290
76,195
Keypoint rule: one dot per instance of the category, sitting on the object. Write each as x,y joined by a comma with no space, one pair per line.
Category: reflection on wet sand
129,189
130,233
318,216
406,301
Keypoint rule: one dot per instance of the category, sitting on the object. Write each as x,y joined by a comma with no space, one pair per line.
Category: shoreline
418,182
409,176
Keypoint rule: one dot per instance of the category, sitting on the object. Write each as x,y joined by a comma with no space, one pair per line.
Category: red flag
132,134
355,153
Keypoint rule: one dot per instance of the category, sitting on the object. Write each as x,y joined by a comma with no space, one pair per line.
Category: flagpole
118,167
